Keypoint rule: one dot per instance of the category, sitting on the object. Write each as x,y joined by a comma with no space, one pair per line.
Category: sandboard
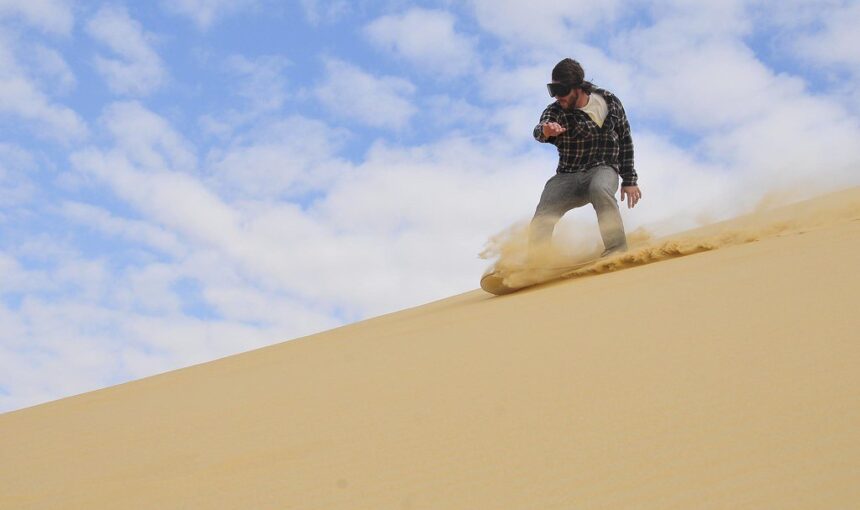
494,282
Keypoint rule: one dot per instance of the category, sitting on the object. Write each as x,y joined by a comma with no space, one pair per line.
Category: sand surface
721,374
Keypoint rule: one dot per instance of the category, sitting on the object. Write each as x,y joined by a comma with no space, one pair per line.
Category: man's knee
603,186
603,196
549,211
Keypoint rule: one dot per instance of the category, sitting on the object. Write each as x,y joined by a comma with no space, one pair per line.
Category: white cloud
545,24
244,303
49,15
51,65
21,97
138,70
427,39
288,157
38,341
767,129
16,186
148,139
204,13
821,36
410,222
704,20
454,112
506,84
692,73
17,279
680,190
837,42
788,146
379,101
261,80
80,340
383,217
134,231
713,85
171,199
319,11
101,323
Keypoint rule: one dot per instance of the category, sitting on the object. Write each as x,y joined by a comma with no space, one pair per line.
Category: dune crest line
511,246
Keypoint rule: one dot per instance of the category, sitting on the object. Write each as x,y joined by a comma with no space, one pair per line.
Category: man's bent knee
603,187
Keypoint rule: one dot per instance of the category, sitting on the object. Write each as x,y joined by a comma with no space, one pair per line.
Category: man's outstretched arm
549,126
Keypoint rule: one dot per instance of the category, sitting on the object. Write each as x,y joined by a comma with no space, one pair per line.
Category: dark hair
569,71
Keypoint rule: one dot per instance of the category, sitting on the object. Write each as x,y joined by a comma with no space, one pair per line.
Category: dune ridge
518,270
721,379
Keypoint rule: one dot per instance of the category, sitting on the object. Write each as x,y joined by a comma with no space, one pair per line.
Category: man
590,129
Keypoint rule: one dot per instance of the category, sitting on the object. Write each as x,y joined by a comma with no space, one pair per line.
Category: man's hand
633,195
551,129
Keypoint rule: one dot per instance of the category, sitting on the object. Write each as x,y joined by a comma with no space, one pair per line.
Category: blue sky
184,180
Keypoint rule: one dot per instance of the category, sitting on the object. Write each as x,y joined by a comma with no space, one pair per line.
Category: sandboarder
589,127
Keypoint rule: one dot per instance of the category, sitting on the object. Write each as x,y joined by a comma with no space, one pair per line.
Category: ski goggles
559,89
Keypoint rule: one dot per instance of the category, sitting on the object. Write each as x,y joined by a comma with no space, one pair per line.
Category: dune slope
724,378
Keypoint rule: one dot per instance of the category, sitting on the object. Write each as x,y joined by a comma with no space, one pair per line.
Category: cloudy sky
185,179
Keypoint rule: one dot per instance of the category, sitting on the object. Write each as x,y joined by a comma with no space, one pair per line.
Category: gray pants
566,191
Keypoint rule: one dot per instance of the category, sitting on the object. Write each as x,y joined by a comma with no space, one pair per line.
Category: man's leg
601,192
562,192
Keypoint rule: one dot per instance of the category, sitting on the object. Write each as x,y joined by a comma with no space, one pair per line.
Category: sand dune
725,375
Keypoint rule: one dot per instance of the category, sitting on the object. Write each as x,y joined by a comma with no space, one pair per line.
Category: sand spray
521,265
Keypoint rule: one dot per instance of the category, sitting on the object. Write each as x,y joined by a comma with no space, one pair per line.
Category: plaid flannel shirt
584,145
